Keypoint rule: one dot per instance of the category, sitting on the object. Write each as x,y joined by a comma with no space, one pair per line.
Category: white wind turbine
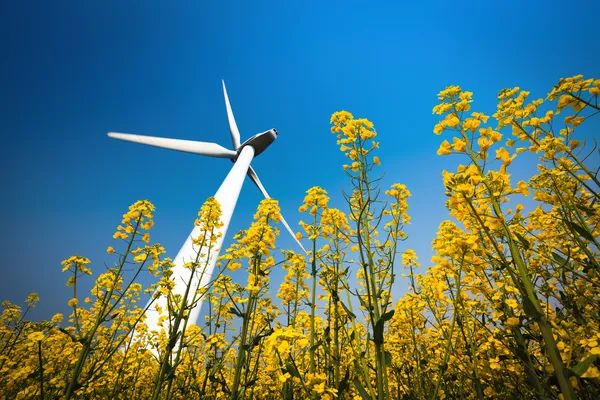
227,196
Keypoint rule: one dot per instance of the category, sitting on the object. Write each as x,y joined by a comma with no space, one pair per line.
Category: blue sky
73,71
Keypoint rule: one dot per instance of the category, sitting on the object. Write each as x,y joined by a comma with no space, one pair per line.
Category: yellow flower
592,372
460,145
471,124
522,188
57,318
439,128
73,302
445,148
36,336
110,250
234,266
32,299
505,156
140,257
452,120
283,347
484,143
495,363
120,235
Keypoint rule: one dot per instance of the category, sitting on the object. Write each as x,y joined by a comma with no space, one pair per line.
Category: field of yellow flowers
509,307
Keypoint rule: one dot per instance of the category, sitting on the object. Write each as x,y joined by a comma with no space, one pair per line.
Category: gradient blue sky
73,71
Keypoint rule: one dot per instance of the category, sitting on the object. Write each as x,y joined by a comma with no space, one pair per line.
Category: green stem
313,300
41,370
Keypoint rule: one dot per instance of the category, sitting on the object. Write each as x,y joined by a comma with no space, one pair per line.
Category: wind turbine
227,196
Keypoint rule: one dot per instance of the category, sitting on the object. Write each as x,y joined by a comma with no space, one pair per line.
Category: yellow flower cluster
352,135
209,221
139,217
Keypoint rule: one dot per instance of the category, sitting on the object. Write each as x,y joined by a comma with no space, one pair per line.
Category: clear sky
72,71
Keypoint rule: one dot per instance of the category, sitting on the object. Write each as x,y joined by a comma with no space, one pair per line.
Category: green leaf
582,231
361,389
388,315
70,335
563,296
316,345
388,358
588,210
292,369
169,373
583,366
364,304
343,386
234,311
530,308
378,332
35,374
559,259
256,340
174,340
347,310
523,241
288,393
195,388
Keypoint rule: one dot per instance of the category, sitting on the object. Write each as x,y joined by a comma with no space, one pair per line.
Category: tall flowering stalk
293,290
376,258
254,246
110,292
315,202
209,219
334,229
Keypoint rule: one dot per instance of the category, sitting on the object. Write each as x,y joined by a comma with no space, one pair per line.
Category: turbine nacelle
260,141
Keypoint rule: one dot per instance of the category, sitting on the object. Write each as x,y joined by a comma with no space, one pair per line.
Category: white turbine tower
227,196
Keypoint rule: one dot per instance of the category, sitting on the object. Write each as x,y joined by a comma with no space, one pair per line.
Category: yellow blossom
36,336
445,148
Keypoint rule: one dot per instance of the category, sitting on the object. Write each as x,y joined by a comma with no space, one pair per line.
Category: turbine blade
233,129
254,177
187,146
